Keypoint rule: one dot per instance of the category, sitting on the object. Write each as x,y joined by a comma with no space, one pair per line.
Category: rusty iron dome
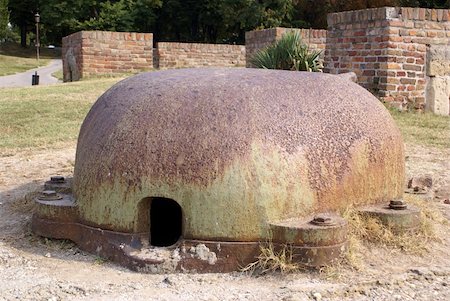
203,164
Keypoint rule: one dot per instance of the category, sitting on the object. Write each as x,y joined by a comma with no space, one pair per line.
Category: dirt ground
34,268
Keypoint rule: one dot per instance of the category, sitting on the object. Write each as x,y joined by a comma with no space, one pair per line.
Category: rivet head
322,220
49,195
57,179
397,204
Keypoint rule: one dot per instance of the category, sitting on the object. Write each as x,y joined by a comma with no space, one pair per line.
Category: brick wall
259,39
184,55
89,53
386,48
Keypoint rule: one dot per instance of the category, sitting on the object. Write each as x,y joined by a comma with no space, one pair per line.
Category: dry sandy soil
34,268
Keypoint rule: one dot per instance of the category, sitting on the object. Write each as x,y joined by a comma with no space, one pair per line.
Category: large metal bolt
57,179
49,195
397,204
322,220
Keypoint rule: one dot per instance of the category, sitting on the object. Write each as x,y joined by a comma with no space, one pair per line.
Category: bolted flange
398,204
49,195
315,242
59,184
397,215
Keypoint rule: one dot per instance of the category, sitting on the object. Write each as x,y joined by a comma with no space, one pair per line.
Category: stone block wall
88,53
387,48
71,57
185,55
437,92
258,39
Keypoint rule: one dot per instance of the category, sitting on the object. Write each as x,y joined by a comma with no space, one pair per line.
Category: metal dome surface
235,148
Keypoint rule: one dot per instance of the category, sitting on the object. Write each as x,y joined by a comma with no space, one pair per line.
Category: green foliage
313,13
288,53
426,3
212,21
22,16
219,20
112,16
4,19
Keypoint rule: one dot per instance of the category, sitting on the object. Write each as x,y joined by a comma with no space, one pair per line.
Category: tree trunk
23,35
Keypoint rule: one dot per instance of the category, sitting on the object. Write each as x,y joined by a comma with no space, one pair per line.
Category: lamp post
37,18
35,76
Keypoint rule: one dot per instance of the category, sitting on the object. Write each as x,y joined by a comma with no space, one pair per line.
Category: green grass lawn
59,75
15,59
423,128
43,116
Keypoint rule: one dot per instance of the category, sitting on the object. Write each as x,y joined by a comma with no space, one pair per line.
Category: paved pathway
24,79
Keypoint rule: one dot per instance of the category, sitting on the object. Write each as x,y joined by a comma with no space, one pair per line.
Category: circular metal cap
49,195
323,220
397,205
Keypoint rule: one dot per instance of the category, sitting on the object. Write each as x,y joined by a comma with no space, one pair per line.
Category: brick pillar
386,48
94,53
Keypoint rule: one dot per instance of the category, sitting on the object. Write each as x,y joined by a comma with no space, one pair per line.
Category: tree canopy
4,19
215,21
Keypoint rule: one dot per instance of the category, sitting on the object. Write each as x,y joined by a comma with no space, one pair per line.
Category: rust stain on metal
191,124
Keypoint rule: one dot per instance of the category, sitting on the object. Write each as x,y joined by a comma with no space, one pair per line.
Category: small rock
447,201
136,286
443,192
419,271
420,183
364,292
48,255
168,281
429,277
316,296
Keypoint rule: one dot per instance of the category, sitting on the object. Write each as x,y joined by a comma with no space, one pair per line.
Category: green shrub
288,53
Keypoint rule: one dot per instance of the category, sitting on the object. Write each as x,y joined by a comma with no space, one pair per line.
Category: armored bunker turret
206,163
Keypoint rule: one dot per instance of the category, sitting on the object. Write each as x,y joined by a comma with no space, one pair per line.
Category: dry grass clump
52,244
363,230
271,260
366,228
